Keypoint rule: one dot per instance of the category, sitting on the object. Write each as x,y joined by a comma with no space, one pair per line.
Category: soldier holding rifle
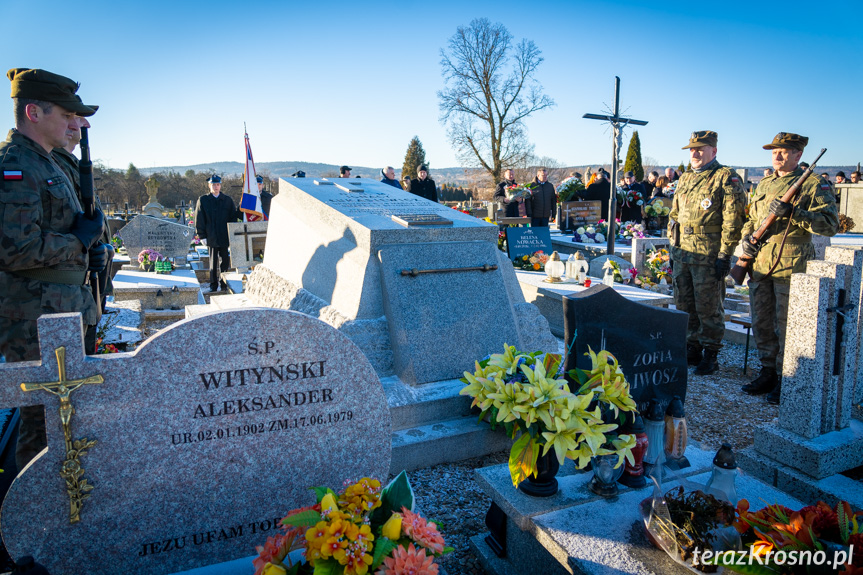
783,247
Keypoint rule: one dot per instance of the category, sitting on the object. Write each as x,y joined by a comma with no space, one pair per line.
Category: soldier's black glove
86,230
781,209
750,250
98,257
722,266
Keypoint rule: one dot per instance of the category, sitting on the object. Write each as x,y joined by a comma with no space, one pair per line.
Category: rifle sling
48,275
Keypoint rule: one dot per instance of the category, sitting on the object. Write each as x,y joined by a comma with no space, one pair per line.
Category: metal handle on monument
415,272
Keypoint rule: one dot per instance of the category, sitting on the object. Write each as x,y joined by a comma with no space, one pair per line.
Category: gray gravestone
640,247
596,265
168,238
248,240
446,296
204,437
649,342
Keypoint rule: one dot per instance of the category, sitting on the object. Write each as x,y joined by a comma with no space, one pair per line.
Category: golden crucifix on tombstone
77,487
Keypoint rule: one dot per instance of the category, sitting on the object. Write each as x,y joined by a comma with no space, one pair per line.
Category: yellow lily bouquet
522,391
364,529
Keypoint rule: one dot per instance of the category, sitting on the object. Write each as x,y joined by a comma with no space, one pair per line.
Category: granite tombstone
526,241
189,450
170,239
248,240
579,213
649,342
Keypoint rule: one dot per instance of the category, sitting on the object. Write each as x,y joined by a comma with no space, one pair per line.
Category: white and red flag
250,204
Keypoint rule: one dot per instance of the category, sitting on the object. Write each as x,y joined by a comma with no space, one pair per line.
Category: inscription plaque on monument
525,241
410,220
577,214
649,342
196,443
170,239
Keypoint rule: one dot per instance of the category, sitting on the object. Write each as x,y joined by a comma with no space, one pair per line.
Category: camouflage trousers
19,342
702,296
768,300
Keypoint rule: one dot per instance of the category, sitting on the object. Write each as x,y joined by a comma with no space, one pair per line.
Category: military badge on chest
706,203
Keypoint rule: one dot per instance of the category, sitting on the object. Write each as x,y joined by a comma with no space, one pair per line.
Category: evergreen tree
633,158
414,158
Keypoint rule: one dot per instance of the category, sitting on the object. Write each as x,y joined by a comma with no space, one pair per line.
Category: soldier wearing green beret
706,218
814,212
47,246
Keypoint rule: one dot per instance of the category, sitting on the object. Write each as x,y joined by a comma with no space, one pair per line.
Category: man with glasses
705,223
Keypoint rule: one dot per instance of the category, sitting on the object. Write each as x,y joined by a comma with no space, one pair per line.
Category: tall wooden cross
77,487
617,124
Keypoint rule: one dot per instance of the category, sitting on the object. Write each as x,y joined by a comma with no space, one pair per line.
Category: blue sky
352,82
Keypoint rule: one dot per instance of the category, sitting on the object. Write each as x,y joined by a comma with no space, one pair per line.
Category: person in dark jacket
500,195
631,211
423,186
600,190
213,213
266,197
542,205
388,176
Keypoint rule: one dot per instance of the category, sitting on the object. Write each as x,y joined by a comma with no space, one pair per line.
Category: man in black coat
423,186
542,205
266,197
631,211
213,212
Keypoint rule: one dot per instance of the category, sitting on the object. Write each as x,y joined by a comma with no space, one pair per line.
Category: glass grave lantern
654,426
676,435
554,268
577,267
723,476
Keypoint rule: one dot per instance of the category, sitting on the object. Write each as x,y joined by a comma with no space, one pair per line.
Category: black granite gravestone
649,342
526,241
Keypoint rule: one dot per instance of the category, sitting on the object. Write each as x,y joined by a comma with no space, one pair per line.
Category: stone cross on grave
618,122
245,233
182,208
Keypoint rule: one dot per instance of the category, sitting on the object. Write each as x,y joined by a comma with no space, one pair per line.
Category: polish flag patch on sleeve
13,175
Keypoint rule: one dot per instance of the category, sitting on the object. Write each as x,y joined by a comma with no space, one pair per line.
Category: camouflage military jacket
710,209
37,210
817,214
68,162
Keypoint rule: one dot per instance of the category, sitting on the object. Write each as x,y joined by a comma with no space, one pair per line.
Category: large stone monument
191,449
421,288
170,239
816,437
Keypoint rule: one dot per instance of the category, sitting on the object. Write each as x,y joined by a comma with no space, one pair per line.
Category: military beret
35,84
788,140
702,138
214,179
260,179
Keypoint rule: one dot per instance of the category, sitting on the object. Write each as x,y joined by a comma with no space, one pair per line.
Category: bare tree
489,90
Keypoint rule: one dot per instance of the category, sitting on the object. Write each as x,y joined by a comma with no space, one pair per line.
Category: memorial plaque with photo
190,449
649,342
525,241
575,214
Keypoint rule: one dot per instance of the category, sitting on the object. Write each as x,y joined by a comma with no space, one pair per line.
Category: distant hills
452,176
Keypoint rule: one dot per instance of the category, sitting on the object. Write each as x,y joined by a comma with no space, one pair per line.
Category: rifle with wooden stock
743,267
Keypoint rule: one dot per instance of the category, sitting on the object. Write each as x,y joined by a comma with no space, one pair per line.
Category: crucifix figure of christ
618,122
77,487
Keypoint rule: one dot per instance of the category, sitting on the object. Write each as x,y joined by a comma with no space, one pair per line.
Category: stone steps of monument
445,441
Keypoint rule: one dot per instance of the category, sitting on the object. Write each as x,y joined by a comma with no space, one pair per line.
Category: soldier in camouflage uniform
70,165
46,245
705,223
814,212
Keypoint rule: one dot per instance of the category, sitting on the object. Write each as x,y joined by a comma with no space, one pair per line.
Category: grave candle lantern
633,474
676,435
654,425
577,267
554,268
721,482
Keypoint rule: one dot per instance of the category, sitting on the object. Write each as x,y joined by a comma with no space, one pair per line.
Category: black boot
708,363
693,354
764,383
774,396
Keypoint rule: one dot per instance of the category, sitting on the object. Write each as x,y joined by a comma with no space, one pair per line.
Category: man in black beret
47,246
266,197
213,213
